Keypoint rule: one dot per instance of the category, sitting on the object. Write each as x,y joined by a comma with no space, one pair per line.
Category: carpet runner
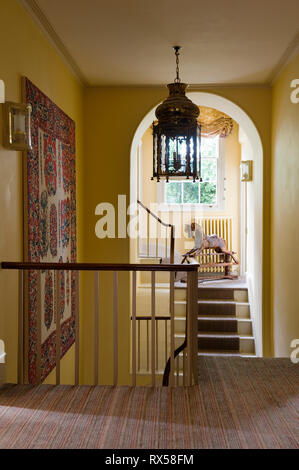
239,403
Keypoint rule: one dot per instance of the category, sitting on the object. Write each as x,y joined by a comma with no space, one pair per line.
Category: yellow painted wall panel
24,51
111,117
285,211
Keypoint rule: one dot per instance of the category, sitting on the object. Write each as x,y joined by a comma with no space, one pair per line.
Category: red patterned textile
50,234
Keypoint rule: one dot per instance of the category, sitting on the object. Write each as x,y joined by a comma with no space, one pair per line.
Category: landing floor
239,403
239,283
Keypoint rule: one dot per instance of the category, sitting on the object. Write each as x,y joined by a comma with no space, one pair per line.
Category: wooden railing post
171,310
189,332
192,320
58,335
157,239
134,330
188,347
153,333
96,328
38,330
148,235
115,328
21,329
77,322
172,235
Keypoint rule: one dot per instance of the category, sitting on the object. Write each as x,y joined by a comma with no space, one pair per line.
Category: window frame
220,203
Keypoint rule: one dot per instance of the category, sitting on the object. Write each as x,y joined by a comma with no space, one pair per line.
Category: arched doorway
251,197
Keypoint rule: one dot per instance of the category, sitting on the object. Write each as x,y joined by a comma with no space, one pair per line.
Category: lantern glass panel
176,155
177,151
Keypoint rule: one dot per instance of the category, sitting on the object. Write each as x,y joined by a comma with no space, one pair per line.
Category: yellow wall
232,184
25,51
106,120
285,211
111,117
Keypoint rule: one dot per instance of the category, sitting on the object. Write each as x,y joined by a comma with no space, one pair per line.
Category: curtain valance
214,122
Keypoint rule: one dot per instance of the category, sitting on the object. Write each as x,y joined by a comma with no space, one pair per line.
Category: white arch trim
201,99
252,149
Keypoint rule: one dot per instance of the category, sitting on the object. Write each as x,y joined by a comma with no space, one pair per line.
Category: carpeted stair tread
221,301
217,309
217,317
216,334
215,293
218,324
218,352
218,341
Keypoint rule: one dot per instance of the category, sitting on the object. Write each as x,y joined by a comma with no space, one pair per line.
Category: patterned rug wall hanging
50,230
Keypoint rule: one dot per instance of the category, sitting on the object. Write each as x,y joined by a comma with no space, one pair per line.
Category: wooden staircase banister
98,266
171,226
154,215
38,268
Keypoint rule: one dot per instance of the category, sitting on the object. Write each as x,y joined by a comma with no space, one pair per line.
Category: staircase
224,320
224,323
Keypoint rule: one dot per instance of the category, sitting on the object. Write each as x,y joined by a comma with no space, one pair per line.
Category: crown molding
47,29
228,85
287,56
191,86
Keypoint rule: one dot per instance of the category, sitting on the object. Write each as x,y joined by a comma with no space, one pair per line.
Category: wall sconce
246,170
2,91
17,126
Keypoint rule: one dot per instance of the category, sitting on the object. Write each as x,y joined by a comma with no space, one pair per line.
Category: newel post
21,329
172,235
192,303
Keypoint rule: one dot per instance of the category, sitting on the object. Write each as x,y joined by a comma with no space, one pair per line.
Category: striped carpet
239,403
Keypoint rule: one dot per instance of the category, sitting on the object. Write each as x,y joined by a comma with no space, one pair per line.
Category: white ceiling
128,42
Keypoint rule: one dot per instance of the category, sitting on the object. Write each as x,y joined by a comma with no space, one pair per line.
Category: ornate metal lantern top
177,133
177,109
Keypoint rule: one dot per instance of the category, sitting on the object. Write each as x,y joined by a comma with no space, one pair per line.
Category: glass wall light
246,170
2,91
17,126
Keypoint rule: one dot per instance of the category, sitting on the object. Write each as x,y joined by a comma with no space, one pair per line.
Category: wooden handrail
190,326
165,380
99,266
148,317
153,215
191,270
171,226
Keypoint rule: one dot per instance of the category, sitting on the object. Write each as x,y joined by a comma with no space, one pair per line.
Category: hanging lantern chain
176,133
177,53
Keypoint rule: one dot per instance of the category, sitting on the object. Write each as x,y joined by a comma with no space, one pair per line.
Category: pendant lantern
176,134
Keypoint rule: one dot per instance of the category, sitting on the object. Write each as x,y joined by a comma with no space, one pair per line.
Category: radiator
221,226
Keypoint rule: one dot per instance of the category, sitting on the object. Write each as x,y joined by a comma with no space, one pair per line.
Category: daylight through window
205,192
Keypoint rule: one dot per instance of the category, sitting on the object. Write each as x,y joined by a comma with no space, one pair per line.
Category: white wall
253,194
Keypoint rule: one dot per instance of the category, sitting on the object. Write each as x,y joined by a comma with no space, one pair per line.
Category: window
207,193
